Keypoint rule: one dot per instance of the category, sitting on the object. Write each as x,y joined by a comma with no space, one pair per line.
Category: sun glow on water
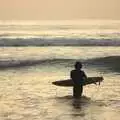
75,29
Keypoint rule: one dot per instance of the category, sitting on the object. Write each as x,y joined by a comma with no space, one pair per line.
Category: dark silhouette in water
78,76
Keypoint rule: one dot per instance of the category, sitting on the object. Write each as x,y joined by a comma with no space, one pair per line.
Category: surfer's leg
81,90
75,91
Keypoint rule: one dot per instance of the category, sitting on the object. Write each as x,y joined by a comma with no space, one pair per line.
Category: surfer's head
78,65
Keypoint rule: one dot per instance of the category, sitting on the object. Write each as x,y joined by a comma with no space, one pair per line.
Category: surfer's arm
72,75
84,75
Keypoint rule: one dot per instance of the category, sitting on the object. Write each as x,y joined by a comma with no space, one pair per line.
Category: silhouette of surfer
78,76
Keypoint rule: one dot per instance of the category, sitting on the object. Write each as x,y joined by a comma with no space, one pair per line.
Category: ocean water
27,71
60,33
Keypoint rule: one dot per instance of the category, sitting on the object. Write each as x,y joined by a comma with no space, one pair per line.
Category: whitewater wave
58,42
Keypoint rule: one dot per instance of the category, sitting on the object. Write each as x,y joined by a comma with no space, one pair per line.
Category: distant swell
58,42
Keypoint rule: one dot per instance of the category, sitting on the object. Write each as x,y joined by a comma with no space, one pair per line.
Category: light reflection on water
27,93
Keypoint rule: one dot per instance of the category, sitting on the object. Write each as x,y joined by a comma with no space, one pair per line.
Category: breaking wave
5,64
111,63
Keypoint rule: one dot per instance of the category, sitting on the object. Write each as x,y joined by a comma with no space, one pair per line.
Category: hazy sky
59,9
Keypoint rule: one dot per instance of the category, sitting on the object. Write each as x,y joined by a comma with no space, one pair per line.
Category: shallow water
26,92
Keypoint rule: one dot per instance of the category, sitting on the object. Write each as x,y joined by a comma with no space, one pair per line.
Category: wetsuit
78,77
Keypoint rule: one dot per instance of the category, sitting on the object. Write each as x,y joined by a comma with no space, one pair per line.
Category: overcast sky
59,9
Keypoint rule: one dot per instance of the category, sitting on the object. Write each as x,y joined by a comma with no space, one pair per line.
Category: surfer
78,76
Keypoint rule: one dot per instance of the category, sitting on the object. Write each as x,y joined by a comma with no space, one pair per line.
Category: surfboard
69,82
